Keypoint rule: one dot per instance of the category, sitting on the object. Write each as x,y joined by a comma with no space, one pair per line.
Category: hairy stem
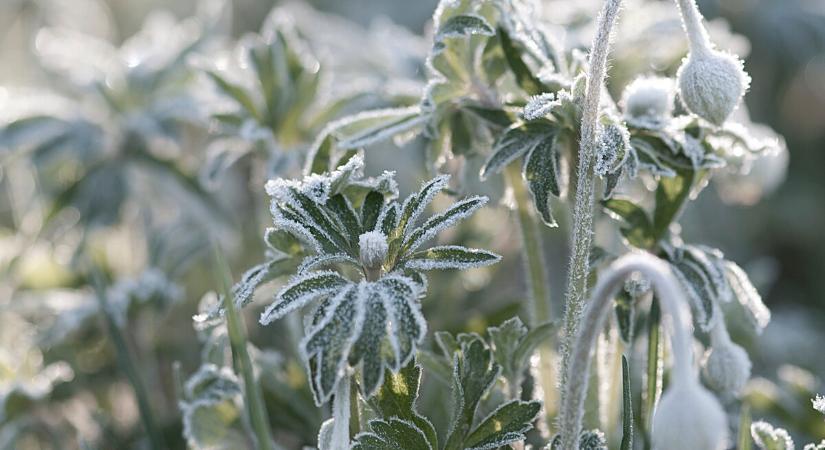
128,366
537,284
341,411
354,412
692,22
582,233
253,397
673,303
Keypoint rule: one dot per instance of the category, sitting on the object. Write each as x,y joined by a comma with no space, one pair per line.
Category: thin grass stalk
253,397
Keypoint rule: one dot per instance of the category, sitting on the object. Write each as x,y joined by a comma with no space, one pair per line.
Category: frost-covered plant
371,320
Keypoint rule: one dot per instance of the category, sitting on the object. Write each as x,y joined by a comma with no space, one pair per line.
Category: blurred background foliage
150,231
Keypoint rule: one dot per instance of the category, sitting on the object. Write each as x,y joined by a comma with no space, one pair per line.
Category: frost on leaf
464,25
212,416
370,127
819,403
747,297
768,437
392,434
439,222
452,257
539,106
517,141
301,290
611,153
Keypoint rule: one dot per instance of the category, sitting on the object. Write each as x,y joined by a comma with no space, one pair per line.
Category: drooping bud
727,367
711,83
648,102
373,249
689,418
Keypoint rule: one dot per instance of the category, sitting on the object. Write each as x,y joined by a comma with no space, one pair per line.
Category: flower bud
648,102
689,418
711,84
727,367
373,247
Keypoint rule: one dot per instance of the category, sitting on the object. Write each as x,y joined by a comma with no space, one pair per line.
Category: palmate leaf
451,257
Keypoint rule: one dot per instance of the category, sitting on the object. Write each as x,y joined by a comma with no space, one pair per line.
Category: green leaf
371,210
392,434
416,203
671,195
397,398
505,339
237,93
346,216
439,222
768,437
542,172
513,143
637,228
624,308
524,76
451,257
473,375
369,127
539,334
653,375
463,25
493,116
301,290
504,426
627,408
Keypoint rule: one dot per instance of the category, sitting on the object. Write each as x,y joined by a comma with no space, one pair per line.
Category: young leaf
397,397
392,434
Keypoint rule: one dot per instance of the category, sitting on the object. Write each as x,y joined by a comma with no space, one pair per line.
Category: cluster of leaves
475,370
120,107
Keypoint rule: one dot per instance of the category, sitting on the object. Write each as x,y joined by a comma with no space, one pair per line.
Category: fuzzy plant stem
538,286
692,22
342,432
674,307
253,397
582,233
128,366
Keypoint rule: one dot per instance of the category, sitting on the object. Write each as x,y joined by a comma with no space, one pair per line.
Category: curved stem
582,234
341,410
673,303
692,22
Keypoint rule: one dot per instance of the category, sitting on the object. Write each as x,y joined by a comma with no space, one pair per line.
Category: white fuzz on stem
684,380
727,366
373,249
582,232
711,83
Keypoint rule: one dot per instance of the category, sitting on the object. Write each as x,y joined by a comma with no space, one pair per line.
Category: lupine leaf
416,203
371,210
439,222
451,257
237,93
301,290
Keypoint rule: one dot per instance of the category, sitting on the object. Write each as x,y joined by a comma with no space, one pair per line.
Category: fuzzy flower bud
373,247
689,418
711,84
727,367
648,102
